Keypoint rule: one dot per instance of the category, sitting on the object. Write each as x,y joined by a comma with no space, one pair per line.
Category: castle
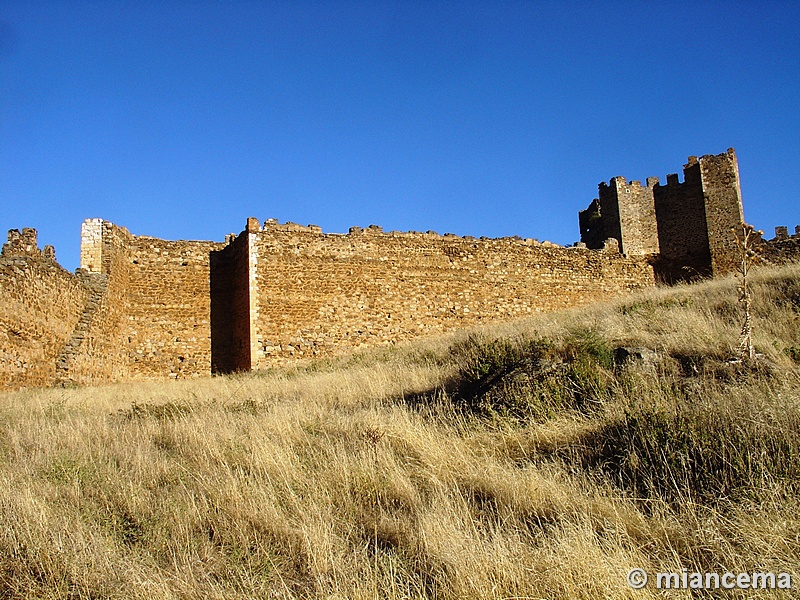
146,308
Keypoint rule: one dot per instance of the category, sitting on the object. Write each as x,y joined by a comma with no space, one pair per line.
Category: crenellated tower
685,226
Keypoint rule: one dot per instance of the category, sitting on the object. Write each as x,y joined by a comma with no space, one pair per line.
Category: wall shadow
230,308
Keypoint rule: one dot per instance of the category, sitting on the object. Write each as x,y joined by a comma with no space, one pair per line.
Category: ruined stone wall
92,244
590,221
146,308
320,294
154,320
783,248
681,221
140,308
608,210
40,303
103,354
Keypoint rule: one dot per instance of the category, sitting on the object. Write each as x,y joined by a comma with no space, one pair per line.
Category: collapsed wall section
321,294
783,248
102,354
154,320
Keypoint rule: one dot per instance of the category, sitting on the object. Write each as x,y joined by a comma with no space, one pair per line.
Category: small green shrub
532,378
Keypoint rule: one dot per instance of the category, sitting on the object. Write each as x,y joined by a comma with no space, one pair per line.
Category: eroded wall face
40,303
781,251
141,311
323,294
103,354
592,225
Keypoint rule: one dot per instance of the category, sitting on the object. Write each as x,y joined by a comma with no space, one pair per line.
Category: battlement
26,243
620,182
271,226
782,233
784,247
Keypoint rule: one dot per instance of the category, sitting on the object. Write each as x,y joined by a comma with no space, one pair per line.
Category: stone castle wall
683,245
168,326
630,215
321,294
145,308
40,304
783,248
157,312
723,207
103,353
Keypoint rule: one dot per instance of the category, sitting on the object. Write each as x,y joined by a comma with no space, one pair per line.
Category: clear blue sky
181,119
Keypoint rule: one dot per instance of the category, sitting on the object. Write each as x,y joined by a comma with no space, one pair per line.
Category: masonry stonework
684,226
783,248
146,308
319,294
40,305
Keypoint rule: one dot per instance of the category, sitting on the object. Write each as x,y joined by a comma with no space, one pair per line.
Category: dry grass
518,461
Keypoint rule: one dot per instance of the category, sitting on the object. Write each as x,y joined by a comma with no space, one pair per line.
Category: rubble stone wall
40,303
154,319
723,208
146,308
167,330
320,294
783,248
629,211
681,221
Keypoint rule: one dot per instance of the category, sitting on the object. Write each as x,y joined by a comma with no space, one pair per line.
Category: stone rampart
40,304
156,316
321,294
146,308
104,354
167,332
783,248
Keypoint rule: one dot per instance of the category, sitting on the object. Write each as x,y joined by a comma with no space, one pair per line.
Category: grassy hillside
541,459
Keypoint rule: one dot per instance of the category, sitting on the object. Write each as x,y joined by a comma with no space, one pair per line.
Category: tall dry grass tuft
536,459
